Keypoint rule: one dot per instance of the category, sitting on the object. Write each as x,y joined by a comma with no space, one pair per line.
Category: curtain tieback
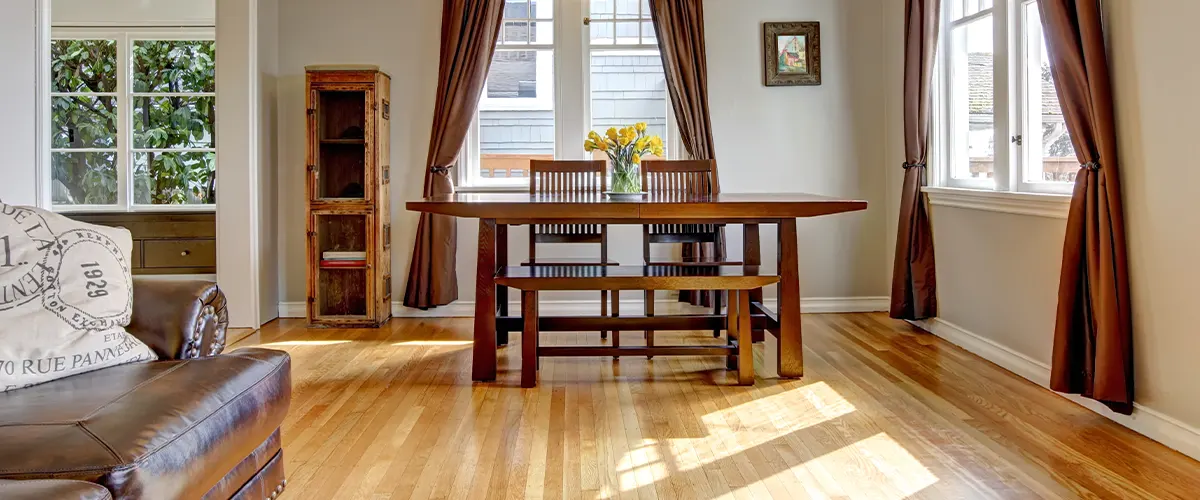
908,165
439,170
1091,165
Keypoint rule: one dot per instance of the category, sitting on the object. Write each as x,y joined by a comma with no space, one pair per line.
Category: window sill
516,188
1055,206
118,209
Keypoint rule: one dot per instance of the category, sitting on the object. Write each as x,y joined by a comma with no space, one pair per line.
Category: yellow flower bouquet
625,149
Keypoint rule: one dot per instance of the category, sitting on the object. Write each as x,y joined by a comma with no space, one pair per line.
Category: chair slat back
570,178
680,179
567,177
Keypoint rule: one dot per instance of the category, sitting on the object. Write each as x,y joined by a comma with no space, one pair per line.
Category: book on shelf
335,255
343,263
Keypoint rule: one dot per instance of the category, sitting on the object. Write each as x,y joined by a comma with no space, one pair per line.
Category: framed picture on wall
792,53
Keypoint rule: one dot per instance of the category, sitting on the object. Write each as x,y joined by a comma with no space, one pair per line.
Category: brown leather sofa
196,424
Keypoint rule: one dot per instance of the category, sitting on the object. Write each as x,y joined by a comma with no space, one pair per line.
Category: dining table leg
483,350
791,350
501,290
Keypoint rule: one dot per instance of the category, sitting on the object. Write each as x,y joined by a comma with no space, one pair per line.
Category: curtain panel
469,32
914,277
1093,332
679,25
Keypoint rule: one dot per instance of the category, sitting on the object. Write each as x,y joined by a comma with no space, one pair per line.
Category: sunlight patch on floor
294,343
875,468
641,466
733,431
760,421
438,343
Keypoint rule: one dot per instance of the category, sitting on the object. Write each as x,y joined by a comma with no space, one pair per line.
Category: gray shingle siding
625,89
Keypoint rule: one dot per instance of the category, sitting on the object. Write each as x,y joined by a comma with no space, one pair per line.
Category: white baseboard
1145,421
466,308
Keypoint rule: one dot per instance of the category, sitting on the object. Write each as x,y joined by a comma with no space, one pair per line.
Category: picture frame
791,53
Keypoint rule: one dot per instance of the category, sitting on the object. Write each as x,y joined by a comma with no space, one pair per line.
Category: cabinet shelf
348,197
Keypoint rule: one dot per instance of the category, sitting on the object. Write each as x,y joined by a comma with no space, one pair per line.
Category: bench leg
731,361
717,310
603,311
745,339
649,312
501,290
529,339
616,312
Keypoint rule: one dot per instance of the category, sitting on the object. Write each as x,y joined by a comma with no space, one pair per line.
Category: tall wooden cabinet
349,221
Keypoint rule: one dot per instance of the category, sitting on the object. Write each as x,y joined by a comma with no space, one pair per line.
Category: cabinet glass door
340,123
339,246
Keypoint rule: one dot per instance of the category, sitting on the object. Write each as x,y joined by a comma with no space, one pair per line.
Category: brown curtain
679,25
469,31
914,281
1093,334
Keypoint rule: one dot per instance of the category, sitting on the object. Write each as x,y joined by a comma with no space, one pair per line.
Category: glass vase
625,178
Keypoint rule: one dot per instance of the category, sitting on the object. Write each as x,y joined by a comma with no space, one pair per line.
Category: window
132,116
980,144
627,81
521,117
516,121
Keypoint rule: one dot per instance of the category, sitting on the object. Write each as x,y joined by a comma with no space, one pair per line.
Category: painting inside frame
792,53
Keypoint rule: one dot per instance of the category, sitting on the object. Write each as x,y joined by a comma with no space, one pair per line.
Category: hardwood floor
885,411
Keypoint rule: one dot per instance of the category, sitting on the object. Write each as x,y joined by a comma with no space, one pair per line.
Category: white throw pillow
66,296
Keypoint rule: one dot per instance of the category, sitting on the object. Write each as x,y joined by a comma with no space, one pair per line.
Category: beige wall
18,102
998,273
812,139
134,12
400,37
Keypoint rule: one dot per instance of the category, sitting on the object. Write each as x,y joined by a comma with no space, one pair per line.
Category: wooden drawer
199,253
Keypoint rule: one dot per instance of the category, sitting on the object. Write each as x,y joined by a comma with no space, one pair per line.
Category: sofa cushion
171,429
66,296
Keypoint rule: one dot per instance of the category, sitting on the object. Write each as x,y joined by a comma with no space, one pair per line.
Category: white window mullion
1007,152
1023,94
124,122
572,82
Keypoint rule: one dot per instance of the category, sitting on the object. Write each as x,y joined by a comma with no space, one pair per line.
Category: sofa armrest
179,319
40,489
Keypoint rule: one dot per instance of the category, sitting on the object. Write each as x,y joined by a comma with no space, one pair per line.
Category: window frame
1011,104
125,96
569,30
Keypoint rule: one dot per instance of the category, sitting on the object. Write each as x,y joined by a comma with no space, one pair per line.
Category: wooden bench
738,280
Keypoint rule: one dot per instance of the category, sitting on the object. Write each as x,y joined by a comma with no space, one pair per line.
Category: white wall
268,160
240,127
18,101
812,139
998,273
134,12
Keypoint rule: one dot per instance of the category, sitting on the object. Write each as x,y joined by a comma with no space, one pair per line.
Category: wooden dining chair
679,179
570,178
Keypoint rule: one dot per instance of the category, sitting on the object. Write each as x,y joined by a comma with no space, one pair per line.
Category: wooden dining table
497,211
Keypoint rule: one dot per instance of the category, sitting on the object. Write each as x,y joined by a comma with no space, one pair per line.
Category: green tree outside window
172,113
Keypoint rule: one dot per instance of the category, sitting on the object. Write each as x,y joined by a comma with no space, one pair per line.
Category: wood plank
657,350
791,353
705,208
744,333
885,411
656,277
547,324
484,357
529,339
